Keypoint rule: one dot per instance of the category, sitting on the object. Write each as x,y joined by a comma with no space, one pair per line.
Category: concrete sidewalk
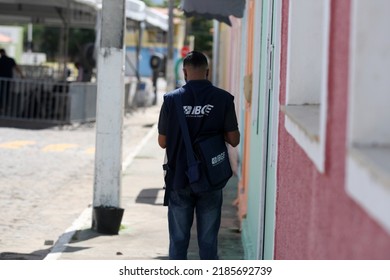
144,230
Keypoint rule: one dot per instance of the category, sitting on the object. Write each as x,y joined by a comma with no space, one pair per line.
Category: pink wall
315,218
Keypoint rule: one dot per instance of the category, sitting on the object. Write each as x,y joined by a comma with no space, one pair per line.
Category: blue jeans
182,205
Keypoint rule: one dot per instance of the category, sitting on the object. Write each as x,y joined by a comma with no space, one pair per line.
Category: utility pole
30,37
109,115
170,65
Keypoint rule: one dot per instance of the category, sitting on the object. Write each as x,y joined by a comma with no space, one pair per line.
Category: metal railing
34,99
47,101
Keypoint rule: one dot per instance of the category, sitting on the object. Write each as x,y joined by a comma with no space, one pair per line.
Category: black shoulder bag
208,161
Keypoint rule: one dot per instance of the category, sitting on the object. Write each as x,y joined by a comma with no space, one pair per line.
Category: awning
48,12
156,18
214,9
83,12
135,10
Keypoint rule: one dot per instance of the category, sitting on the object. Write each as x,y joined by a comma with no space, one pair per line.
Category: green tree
78,38
201,29
47,40
176,3
164,4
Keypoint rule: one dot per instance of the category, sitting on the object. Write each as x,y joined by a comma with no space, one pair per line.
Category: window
307,66
368,153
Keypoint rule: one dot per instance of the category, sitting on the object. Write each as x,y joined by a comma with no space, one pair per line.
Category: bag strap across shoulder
184,129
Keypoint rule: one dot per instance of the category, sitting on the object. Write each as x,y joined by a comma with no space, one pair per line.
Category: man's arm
162,141
232,134
19,70
232,137
162,127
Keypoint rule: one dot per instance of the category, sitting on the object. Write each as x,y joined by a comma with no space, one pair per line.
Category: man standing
207,109
7,67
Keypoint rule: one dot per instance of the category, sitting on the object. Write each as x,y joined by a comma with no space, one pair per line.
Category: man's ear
207,73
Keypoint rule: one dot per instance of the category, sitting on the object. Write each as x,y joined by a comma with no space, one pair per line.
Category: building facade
314,160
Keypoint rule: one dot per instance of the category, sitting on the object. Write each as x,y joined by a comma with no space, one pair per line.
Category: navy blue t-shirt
208,109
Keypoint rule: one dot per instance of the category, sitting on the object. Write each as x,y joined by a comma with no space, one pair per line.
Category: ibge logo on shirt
197,111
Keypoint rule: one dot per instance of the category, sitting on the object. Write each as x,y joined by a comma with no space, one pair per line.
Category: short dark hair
196,59
2,51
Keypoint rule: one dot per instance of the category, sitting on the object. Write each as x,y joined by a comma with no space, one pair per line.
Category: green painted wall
258,227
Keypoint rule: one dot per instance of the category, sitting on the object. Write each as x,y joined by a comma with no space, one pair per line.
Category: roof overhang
83,13
53,12
214,9
137,10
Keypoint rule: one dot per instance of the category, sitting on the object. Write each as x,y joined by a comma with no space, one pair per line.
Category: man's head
2,52
195,66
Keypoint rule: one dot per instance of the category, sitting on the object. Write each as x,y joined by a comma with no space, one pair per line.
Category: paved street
46,183
51,171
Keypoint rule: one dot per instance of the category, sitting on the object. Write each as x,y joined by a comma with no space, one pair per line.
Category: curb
85,216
